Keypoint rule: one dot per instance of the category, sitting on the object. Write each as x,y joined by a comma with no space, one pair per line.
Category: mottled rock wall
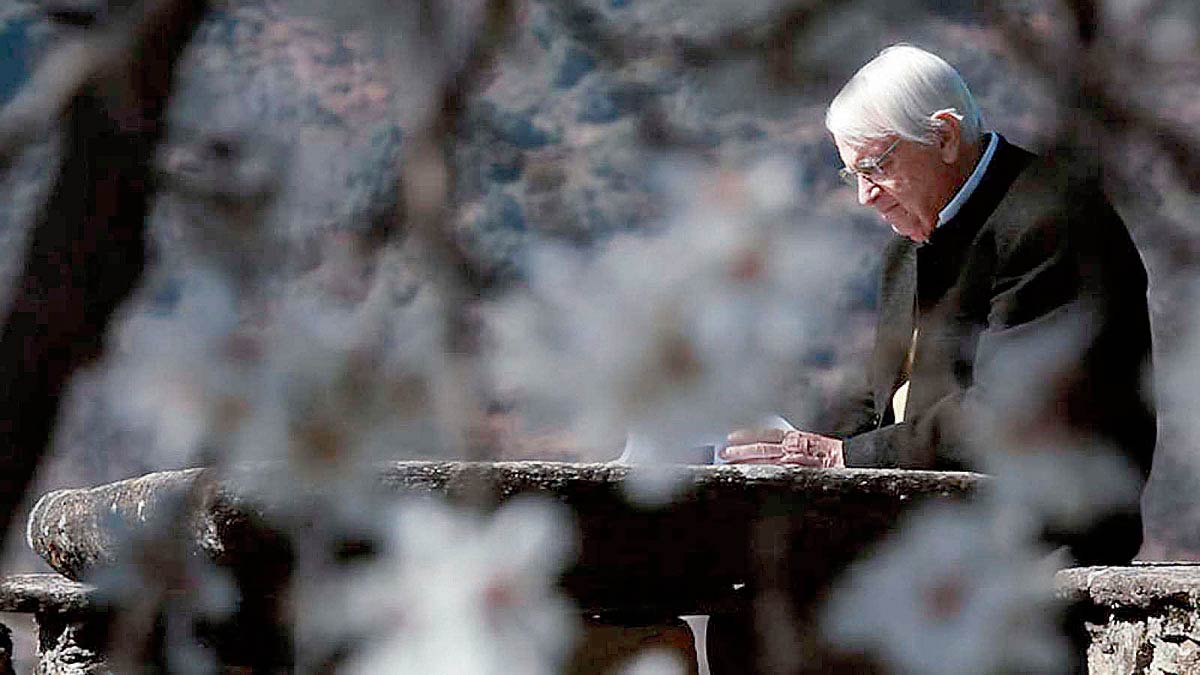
1164,642
1140,619
563,144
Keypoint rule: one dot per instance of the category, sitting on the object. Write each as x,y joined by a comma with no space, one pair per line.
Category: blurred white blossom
681,335
187,375
958,590
422,44
455,592
160,582
1177,383
1066,487
347,384
1167,30
1053,474
655,662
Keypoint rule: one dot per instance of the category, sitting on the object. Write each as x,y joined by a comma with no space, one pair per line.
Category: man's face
908,190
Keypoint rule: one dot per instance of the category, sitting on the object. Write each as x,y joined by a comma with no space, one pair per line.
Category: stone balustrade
683,558
1143,618
697,554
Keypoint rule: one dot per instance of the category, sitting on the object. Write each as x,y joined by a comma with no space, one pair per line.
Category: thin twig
426,183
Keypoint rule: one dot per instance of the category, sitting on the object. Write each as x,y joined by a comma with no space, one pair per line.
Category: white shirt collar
968,187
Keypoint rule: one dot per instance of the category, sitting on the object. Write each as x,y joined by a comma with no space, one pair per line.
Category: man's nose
867,191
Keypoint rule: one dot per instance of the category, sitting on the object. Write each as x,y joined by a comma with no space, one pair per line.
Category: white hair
898,93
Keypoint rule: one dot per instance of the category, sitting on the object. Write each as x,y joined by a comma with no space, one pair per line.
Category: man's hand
783,446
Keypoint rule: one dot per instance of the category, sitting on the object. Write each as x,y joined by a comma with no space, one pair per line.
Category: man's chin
914,232
914,235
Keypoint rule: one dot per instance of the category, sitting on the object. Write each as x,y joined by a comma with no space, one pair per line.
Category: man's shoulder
1057,206
1060,189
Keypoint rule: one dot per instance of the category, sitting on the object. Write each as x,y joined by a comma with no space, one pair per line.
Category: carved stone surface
687,556
73,530
71,638
6,650
1141,619
1142,586
70,645
43,593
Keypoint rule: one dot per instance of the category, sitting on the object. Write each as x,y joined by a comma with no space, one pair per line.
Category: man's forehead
853,151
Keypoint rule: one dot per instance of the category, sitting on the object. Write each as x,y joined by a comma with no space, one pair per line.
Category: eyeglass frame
868,167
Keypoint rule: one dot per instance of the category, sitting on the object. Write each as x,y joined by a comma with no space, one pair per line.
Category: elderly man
1013,300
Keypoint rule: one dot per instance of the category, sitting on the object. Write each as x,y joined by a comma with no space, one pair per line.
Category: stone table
704,552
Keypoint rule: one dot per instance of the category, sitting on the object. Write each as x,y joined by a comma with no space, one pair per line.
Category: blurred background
594,179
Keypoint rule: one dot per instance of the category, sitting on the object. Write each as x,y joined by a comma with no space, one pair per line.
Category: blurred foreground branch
1082,72
426,182
86,248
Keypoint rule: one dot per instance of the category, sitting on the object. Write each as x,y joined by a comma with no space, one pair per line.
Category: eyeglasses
870,168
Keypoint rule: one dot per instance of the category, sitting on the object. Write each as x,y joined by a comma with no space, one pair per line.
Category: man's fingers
750,436
767,453
803,460
751,451
782,446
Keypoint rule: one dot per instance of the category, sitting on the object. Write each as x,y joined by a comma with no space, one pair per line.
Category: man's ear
949,134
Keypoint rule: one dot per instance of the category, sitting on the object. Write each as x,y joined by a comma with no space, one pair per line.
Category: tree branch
86,250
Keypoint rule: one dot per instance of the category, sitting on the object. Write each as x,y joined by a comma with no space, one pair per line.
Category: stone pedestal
1144,618
71,635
